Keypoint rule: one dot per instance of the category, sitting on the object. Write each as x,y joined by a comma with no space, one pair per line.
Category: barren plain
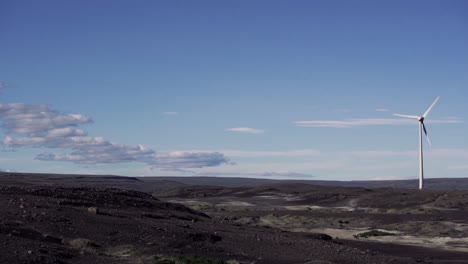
90,219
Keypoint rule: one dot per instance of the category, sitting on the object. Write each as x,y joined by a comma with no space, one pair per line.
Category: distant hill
432,184
151,184
81,180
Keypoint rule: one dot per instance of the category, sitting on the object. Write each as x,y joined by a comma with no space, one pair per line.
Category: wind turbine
422,128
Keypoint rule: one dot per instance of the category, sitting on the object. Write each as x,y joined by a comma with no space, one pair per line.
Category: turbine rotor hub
421,118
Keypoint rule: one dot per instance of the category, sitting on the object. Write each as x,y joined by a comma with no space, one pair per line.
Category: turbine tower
422,128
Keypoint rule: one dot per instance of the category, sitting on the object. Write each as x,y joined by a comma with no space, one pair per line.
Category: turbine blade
430,107
407,116
427,136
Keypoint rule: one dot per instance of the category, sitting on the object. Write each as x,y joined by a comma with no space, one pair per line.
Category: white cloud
36,119
184,159
170,113
98,150
346,123
25,141
246,130
65,132
40,126
106,152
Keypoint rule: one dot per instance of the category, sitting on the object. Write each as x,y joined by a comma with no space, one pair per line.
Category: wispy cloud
29,125
352,122
170,113
459,153
458,167
346,123
377,153
364,164
246,130
3,84
257,154
433,152
342,110
382,110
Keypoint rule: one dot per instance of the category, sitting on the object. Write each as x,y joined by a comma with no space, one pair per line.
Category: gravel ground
50,224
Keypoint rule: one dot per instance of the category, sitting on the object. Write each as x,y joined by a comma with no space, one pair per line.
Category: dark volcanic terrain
77,219
150,184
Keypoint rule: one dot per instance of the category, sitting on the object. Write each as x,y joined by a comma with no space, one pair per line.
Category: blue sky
271,89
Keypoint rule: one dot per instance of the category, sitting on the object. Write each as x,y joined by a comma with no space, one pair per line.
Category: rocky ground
76,219
50,224
424,225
